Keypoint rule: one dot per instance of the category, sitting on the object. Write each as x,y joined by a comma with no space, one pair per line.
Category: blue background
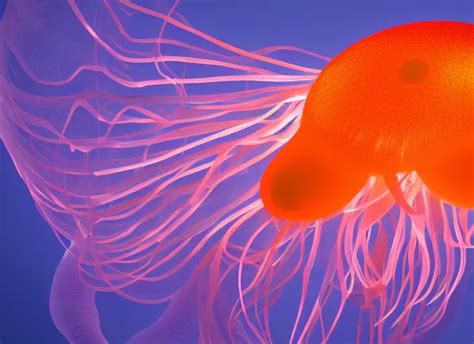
29,251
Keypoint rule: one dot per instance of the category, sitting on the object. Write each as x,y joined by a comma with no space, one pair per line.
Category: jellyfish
242,189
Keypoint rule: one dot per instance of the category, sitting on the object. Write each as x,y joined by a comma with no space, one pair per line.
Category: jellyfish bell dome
400,100
397,96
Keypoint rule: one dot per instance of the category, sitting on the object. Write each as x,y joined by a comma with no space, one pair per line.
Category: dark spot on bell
414,71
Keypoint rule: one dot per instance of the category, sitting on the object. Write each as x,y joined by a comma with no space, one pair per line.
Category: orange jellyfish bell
400,100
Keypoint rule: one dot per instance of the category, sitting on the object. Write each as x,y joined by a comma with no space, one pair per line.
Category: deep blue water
29,251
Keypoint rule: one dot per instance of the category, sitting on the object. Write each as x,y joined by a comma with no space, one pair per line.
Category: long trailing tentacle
72,303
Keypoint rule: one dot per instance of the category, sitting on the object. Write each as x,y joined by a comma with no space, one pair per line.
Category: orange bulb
398,101
308,180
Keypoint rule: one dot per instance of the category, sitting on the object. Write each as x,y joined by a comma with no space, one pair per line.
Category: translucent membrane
142,141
